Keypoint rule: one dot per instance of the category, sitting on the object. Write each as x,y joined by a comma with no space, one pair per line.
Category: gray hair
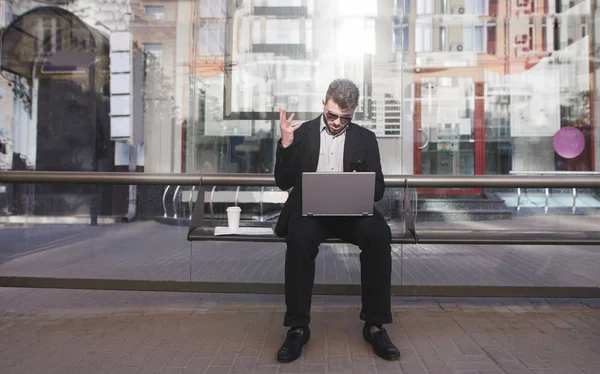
344,93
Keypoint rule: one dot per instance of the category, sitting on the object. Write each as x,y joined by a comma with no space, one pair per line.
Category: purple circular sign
569,142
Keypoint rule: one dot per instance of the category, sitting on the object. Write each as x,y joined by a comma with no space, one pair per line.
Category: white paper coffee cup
233,217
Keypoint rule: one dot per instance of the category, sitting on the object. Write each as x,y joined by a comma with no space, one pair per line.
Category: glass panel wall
527,82
283,55
449,87
97,246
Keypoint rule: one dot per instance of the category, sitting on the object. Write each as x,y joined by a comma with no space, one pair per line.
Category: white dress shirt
331,152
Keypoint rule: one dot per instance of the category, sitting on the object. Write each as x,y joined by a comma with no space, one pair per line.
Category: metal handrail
512,172
498,181
259,180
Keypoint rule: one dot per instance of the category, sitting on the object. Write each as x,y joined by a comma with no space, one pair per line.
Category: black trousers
371,234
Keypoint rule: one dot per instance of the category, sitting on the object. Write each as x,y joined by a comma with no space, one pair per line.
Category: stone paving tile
164,334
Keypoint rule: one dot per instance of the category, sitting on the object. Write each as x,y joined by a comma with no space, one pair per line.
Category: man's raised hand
287,130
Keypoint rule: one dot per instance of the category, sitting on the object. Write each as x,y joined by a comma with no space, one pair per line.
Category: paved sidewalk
69,331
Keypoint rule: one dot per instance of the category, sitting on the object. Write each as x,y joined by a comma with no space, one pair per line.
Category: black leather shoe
292,346
381,342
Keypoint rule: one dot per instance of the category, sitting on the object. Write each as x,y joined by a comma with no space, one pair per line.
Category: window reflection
449,87
157,12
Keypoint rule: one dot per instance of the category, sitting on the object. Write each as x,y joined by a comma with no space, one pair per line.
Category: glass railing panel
495,213
500,265
195,86
72,235
525,209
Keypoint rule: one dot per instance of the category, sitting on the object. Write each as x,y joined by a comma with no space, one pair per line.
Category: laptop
338,194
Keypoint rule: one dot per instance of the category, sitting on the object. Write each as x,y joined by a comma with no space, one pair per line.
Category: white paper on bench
224,230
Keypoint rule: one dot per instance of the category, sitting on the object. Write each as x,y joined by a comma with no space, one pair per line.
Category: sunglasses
344,120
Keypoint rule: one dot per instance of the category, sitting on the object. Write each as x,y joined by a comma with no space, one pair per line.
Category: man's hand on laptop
287,130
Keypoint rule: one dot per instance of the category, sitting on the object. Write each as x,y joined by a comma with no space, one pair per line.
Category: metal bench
406,231
199,231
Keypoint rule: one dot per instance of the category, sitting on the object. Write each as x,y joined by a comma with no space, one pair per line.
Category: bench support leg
198,212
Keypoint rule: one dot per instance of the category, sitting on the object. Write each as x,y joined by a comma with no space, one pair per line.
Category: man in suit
332,143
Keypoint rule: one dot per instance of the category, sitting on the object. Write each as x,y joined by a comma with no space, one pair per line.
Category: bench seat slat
208,234
507,237
403,232
435,237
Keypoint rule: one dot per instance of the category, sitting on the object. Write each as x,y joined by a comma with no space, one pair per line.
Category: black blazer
361,153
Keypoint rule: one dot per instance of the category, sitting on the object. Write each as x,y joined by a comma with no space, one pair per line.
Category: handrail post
197,219
262,191
164,201
191,202
409,220
212,212
175,204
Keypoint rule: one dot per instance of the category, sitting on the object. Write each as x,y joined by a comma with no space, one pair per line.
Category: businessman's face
336,118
